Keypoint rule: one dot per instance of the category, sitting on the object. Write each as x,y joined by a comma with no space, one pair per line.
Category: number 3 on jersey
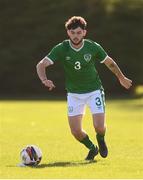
77,65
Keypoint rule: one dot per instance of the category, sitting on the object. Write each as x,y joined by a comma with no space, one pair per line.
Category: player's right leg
75,123
75,114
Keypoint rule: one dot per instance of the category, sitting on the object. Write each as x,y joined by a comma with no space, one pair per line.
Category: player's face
76,35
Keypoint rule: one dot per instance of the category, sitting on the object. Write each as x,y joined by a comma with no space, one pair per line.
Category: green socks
87,142
100,137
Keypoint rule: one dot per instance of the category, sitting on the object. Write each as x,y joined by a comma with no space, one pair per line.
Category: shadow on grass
57,164
65,164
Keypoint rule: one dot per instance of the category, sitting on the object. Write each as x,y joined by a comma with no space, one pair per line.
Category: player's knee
77,133
100,129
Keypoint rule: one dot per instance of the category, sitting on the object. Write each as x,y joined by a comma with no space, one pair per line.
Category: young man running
83,85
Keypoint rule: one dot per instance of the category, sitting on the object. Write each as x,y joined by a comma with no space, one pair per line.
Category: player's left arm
112,65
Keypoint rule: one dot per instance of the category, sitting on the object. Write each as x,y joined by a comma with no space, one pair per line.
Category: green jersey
79,65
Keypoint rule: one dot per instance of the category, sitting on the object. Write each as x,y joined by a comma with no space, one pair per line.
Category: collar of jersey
76,48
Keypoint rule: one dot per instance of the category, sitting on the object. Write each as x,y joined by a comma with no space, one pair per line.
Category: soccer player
83,85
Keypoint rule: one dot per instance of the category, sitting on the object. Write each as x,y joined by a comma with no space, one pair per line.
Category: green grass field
44,123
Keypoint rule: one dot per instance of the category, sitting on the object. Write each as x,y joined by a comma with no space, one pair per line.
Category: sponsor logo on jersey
68,58
87,57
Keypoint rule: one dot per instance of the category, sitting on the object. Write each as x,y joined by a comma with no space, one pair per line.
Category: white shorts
94,100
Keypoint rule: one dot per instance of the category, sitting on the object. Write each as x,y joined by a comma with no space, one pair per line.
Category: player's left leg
100,128
97,107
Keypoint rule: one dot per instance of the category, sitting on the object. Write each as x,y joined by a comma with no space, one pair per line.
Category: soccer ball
31,155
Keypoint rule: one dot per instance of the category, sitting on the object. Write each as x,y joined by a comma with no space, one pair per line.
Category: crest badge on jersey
87,57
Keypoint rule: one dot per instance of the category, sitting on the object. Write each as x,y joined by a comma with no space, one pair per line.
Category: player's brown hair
75,22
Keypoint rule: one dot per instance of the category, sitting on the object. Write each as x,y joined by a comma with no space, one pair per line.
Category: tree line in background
30,28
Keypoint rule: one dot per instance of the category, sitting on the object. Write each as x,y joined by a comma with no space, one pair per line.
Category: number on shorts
98,101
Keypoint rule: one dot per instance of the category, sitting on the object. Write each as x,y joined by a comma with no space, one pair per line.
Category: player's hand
125,82
49,84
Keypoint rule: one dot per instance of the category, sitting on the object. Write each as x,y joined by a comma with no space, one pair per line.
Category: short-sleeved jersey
79,65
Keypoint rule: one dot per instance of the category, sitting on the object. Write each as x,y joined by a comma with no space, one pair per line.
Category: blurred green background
30,28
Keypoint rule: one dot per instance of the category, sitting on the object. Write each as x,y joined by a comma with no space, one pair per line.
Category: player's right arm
53,56
41,71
